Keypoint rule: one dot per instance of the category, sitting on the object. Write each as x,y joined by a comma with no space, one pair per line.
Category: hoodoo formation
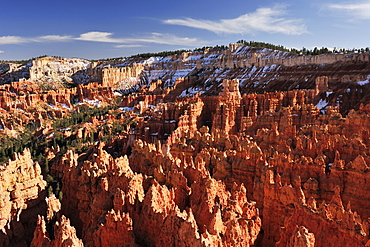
236,146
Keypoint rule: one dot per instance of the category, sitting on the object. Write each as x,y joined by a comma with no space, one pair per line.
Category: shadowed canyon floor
236,147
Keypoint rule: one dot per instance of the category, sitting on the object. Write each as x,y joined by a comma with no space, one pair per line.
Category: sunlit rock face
236,147
287,157
22,198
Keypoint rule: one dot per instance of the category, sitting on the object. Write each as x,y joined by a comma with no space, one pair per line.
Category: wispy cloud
166,39
269,20
107,37
99,37
157,38
359,10
2,52
54,38
128,46
11,40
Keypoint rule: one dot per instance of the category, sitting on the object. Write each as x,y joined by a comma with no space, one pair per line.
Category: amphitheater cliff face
240,147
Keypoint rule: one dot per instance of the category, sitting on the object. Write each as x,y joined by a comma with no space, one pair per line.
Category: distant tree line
159,54
303,51
144,55
263,45
217,47
164,53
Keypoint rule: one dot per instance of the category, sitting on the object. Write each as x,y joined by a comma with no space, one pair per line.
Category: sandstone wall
241,58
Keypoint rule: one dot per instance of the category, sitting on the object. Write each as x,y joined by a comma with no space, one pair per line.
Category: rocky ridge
49,72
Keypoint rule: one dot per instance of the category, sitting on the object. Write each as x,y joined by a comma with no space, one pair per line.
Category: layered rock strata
278,156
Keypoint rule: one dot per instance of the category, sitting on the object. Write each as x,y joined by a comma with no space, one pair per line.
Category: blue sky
113,28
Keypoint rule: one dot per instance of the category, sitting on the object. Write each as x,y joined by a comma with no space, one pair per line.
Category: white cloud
98,37
2,51
263,19
355,10
11,40
6,40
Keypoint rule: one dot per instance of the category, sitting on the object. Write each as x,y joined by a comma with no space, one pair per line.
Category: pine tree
50,190
47,170
60,196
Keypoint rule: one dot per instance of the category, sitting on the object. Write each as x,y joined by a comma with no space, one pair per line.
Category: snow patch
64,106
322,105
53,107
193,91
126,109
361,83
253,70
153,60
193,58
95,103
64,129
